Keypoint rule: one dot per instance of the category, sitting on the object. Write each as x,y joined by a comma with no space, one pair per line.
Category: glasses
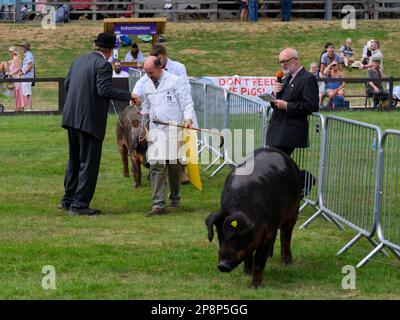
334,65
285,61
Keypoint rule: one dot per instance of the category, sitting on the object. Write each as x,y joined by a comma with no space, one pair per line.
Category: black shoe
173,204
156,212
83,212
63,206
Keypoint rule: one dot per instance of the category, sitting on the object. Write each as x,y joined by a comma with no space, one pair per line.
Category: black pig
253,207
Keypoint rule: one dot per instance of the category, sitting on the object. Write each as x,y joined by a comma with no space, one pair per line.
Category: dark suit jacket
89,90
289,128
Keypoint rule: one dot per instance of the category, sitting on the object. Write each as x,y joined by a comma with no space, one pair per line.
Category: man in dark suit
89,90
297,97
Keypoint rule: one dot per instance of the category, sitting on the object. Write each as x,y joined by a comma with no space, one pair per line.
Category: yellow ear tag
234,223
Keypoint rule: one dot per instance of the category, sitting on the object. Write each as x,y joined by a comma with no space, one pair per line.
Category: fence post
213,16
226,112
328,9
61,94
94,14
136,7
175,14
205,107
17,11
391,104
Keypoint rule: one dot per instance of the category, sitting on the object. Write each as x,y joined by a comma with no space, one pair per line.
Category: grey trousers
158,177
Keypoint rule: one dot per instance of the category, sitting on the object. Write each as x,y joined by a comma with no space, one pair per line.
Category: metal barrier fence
134,76
388,228
220,109
309,158
349,177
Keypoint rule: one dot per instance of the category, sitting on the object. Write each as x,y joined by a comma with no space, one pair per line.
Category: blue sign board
137,28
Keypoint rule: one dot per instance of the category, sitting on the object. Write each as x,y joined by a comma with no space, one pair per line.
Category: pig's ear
235,224
210,221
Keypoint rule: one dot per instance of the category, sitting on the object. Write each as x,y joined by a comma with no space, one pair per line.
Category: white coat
171,102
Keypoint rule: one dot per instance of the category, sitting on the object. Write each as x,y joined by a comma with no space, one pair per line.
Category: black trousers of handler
82,169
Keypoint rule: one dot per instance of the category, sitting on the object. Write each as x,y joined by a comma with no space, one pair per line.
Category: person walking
27,71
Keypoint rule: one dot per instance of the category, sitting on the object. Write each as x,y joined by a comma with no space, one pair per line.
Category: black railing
121,83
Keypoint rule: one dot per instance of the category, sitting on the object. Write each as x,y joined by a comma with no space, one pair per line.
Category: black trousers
82,169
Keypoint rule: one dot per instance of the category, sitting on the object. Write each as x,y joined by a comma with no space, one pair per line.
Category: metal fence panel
350,171
134,76
308,159
198,96
390,189
215,107
248,118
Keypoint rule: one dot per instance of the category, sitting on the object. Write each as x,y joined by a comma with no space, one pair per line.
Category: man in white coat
173,67
167,98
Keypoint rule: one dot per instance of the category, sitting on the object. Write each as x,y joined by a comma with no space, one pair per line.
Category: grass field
123,255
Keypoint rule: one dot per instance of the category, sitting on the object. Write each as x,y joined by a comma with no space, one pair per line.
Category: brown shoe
173,204
156,212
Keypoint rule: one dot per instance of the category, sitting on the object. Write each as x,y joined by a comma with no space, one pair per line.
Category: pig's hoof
125,174
287,260
255,284
248,271
137,185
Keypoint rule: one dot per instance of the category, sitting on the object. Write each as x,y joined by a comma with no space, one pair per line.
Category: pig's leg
261,256
286,237
124,157
137,174
248,264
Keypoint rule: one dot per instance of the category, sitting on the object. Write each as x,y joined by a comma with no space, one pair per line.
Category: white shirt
172,66
170,102
130,58
122,74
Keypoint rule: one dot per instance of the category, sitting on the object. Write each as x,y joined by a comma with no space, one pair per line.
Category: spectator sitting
347,53
4,67
334,88
62,14
135,55
374,88
244,10
321,85
327,45
367,52
329,57
376,53
118,72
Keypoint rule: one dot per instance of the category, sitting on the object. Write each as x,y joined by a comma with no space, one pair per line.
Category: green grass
123,255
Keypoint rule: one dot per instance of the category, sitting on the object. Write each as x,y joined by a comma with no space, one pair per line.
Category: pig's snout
224,266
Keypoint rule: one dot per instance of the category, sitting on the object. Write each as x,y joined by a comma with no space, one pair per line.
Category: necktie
156,83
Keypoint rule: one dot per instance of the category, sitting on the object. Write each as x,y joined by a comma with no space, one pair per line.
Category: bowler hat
105,40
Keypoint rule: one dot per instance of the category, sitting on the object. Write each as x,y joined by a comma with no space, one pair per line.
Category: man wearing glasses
296,98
